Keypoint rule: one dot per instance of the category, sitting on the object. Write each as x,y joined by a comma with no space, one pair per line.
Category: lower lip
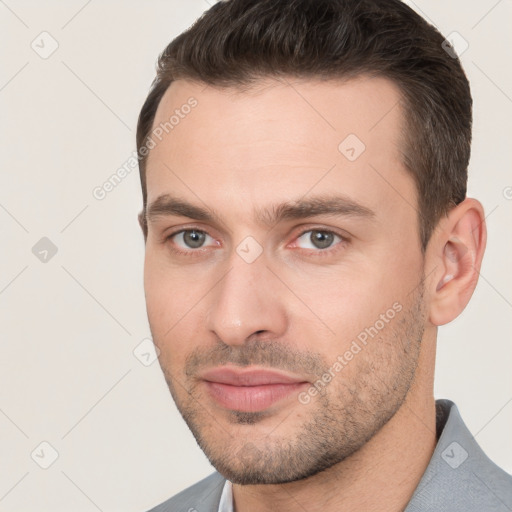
251,398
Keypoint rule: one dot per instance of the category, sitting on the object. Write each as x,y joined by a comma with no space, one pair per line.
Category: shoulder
204,496
460,476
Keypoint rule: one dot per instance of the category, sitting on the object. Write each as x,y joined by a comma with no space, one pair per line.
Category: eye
317,239
190,239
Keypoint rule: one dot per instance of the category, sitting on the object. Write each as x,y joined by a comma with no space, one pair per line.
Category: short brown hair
238,42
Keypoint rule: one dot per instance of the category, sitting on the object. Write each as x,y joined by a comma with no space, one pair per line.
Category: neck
381,476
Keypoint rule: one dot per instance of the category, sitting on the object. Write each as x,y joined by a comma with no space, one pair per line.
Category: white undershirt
226,498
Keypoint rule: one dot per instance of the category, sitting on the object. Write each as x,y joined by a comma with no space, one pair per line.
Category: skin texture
297,307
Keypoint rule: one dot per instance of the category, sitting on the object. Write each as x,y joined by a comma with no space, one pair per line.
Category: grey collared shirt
457,477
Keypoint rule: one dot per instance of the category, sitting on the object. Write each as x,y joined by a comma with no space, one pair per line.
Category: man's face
283,270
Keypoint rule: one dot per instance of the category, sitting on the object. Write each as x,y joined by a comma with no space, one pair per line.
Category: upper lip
248,376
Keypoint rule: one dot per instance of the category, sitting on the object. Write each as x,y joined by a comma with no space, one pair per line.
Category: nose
247,302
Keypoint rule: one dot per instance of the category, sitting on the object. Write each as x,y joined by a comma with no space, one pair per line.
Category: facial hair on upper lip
267,354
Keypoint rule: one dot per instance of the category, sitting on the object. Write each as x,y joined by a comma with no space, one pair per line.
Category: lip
250,389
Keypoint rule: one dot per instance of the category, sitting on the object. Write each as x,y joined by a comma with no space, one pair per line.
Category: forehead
279,140
309,108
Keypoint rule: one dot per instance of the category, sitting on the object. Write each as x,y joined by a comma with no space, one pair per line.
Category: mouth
250,389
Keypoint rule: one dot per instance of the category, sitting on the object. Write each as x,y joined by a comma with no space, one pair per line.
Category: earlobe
460,244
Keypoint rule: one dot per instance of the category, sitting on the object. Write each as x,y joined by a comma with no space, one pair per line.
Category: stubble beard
339,421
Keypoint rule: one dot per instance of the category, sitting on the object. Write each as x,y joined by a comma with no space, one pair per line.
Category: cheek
174,303
166,288
166,302
158,295
343,303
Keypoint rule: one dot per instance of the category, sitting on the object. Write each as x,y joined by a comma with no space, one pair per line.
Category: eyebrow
167,205
339,206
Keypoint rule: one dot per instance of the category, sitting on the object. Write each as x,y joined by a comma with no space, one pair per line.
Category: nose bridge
246,301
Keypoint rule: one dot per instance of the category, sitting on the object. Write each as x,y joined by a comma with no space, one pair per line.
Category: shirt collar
449,454
226,498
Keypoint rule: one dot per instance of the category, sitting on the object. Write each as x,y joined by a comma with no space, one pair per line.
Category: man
303,167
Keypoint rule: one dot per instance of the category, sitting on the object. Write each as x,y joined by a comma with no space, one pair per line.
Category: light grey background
69,325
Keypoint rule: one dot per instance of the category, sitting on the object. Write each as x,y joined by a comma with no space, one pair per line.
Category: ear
143,224
455,252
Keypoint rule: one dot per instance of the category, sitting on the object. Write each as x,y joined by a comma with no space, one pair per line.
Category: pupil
194,239
321,239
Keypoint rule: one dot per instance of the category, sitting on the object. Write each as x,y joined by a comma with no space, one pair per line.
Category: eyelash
318,253
321,253
191,252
